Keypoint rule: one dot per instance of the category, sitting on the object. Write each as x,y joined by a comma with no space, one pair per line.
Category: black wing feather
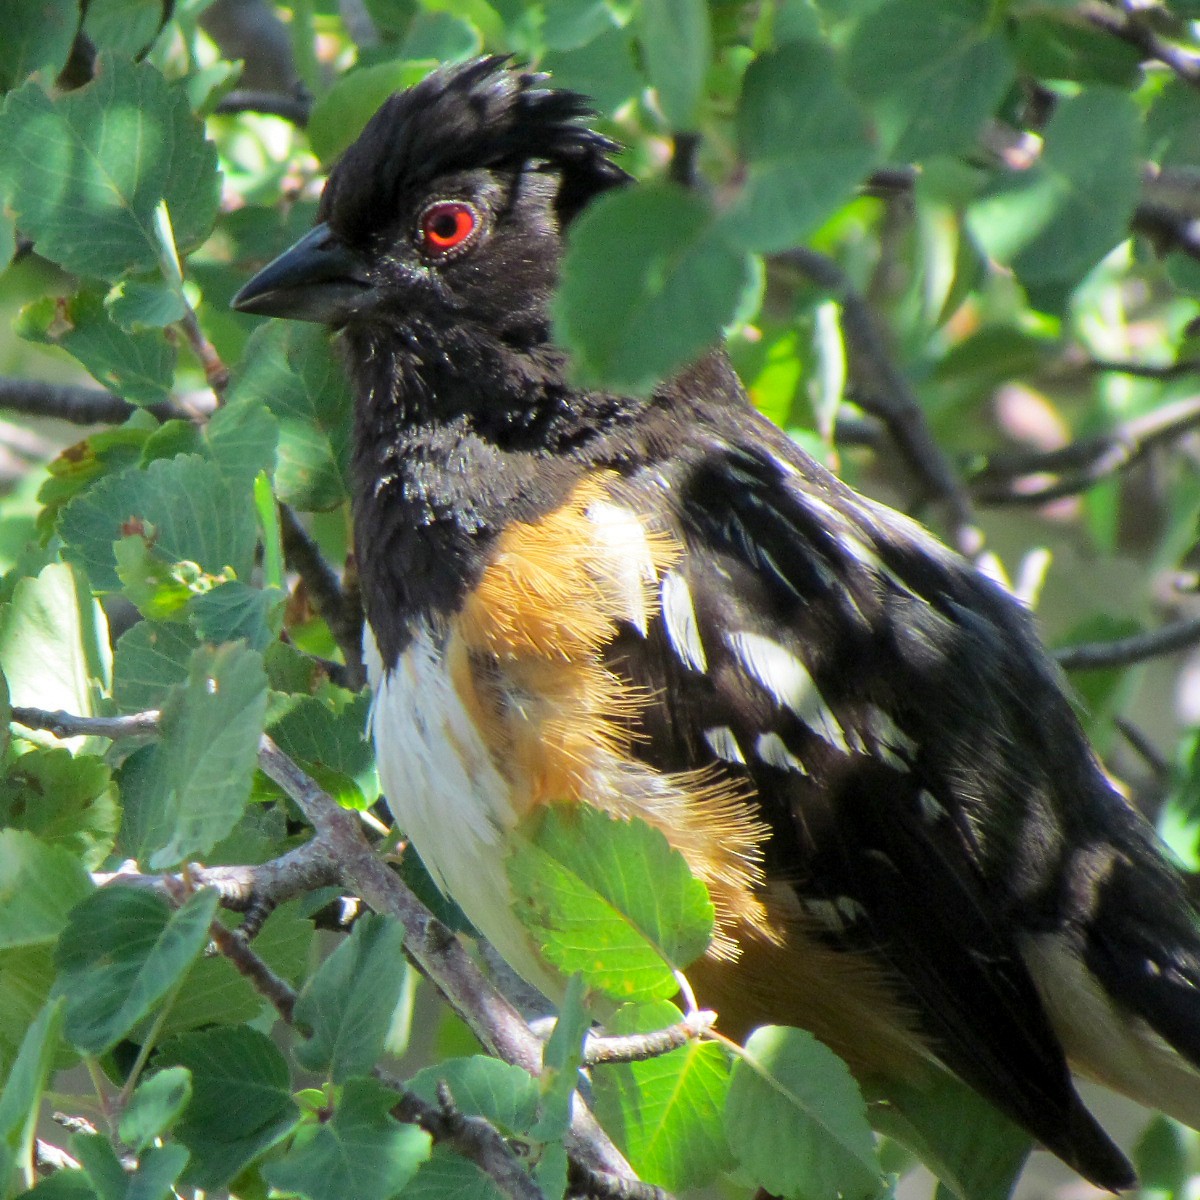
900,829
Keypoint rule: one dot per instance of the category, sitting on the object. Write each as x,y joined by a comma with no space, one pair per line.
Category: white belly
447,796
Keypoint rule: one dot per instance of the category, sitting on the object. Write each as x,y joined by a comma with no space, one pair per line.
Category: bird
662,607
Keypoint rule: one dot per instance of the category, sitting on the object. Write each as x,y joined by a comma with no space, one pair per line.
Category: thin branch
1124,652
273,988
79,405
1035,478
341,613
1184,366
295,107
883,389
682,168
604,1051
1131,27
605,1185
68,725
1145,749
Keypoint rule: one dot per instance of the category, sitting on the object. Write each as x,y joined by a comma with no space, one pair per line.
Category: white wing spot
892,744
679,617
931,806
787,680
772,749
723,744
624,535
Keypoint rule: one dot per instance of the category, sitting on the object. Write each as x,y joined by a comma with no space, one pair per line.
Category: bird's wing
903,737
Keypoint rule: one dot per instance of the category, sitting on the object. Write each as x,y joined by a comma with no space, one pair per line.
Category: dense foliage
953,248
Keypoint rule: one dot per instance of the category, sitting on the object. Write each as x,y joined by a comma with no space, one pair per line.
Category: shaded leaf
806,142
187,791
184,505
503,1094
361,1151
346,1008
931,73
648,282
138,366
241,1101
289,370
89,168
122,952
676,49
797,1121
151,657
154,1106
39,885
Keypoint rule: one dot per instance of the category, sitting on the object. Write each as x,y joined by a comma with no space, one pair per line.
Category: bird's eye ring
447,225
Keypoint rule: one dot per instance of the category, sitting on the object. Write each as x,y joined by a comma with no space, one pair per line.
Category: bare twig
1185,366
682,167
1035,478
604,1185
341,613
882,388
79,405
1146,750
271,987
291,106
1124,652
68,725
1131,27
604,1051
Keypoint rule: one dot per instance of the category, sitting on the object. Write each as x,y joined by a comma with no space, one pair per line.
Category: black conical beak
318,279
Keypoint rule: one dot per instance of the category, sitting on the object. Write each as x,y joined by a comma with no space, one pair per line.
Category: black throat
457,435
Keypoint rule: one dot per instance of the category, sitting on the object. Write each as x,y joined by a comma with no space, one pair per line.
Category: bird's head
447,210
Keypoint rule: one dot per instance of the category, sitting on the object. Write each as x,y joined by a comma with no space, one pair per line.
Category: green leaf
122,952
235,611
288,369
975,1152
561,1060
241,1101
124,27
155,1105
665,1113
931,73
361,1152
796,1120
64,799
139,367
448,1174
152,1179
21,1099
215,993
339,116
331,734
1173,126
39,885
347,1006
184,505
676,50
54,647
242,440
1055,221
603,69
1161,1156
482,1086
88,169
159,588
187,791
35,37
807,146
26,978
136,306
1051,46
150,659
648,282
610,899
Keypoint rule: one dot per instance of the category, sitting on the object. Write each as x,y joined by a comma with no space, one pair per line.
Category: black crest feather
479,114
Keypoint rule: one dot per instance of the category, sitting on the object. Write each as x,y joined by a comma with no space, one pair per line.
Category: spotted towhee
663,608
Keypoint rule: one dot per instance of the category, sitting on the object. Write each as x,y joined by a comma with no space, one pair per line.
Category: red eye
447,225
